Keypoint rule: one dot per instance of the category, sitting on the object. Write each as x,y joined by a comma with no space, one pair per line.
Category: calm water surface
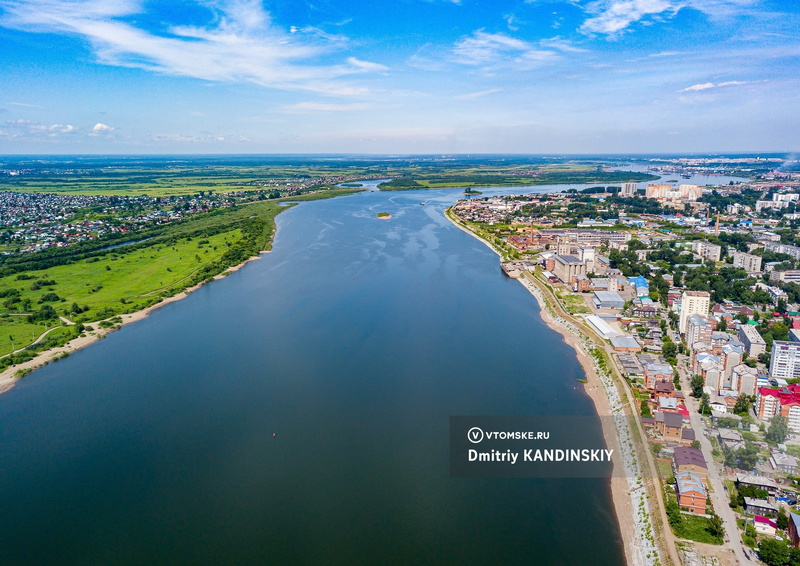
353,341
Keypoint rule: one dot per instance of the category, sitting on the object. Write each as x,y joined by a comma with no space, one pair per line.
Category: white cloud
30,129
62,128
304,107
702,86
706,86
494,50
611,17
479,94
25,105
242,44
101,128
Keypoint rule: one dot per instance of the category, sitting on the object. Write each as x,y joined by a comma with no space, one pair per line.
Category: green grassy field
510,177
122,282
14,330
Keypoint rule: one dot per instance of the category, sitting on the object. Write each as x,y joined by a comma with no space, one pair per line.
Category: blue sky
404,76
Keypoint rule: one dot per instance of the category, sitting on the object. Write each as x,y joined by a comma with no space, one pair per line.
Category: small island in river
384,215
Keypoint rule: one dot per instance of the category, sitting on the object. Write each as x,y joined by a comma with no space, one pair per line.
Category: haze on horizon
410,76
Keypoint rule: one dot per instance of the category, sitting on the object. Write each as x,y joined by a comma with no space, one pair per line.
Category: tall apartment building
693,302
628,190
699,329
785,360
669,192
707,250
752,340
786,402
749,262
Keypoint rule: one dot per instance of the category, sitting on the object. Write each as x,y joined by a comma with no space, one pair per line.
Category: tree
715,527
674,513
783,519
696,444
744,458
705,404
773,552
743,404
778,430
697,382
645,409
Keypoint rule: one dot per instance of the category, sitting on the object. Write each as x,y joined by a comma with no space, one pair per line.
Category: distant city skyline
408,77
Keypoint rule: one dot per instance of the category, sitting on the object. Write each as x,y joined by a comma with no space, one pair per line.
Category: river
297,412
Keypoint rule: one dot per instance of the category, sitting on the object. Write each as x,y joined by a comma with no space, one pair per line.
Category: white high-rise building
785,360
628,190
693,302
750,263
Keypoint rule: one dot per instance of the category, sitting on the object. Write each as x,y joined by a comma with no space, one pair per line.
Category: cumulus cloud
30,129
101,128
241,44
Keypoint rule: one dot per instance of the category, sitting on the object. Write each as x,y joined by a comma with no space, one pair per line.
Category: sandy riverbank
9,377
627,490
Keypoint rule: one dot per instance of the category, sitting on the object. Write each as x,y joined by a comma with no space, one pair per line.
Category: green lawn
695,528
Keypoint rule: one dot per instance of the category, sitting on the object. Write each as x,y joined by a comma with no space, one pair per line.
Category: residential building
628,190
761,482
785,402
707,250
794,529
752,340
750,263
691,492
669,425
759,507
699,329
686,459
784,362
744,379
793,251
784,463
787,276
693,302
765,525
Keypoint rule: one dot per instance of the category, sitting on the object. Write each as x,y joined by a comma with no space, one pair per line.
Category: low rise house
762,507
765,525
761,482
669,425
686,459
794,529
691,492
784,463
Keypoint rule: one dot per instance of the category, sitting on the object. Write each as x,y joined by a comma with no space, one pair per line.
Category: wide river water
353,342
